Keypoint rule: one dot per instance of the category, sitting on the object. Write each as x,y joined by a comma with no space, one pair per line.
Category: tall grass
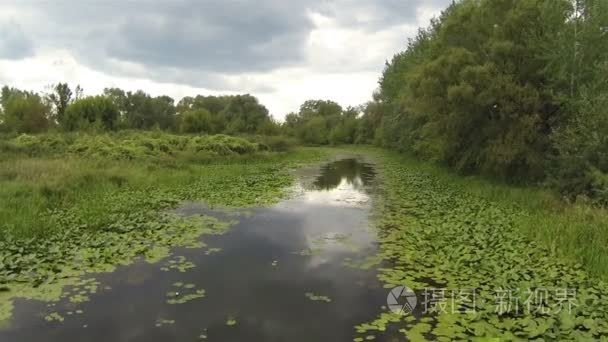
40,174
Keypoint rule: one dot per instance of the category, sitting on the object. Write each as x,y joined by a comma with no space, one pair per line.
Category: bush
196,121
25,113
280,143
223,144
277,143
126,145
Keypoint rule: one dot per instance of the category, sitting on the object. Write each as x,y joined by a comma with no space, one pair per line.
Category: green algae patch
152,245
317,298
183,293
156,254
177,263
6,309
310,251
231,321
366,263
212,250
54,317
163,321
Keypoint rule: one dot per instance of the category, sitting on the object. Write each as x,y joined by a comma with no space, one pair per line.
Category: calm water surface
256,275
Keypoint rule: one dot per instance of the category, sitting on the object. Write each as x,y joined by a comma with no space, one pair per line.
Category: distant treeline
318,122
116,109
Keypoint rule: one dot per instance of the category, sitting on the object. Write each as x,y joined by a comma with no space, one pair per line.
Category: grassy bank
42,173
66,209
437,230
575,232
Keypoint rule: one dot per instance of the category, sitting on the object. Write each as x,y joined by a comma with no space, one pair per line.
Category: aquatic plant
317,298
163,321
231,321
437,237
183,293
92,215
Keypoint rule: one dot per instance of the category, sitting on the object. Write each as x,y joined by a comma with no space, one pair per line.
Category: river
282,273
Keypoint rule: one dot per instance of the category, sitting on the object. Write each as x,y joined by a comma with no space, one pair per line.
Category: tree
139,110
470,91
119,98
60,98
580,166
24,112
196,121
269,127
346,130
369,123
92,112
314,131
244,114
320,108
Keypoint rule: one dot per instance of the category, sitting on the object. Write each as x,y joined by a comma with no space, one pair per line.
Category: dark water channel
255,277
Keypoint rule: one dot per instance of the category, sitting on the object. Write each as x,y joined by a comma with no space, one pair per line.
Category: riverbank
574,232
481,245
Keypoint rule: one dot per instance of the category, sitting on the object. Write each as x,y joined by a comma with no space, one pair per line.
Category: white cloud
340,56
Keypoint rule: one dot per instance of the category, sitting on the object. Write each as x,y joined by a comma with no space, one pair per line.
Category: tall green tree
60,97
91,113
244,114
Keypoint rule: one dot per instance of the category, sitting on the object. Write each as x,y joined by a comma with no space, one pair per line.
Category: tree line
318,122
512,89
115,109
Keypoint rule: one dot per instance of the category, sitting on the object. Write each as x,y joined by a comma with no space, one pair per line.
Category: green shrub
126,145
278,143
223,144
26,113
196,121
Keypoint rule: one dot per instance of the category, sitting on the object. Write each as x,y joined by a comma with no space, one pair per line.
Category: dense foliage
23,111
322,122
128,145
512,89
91,112
116,109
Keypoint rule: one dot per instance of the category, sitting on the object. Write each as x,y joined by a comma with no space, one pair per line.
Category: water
257,277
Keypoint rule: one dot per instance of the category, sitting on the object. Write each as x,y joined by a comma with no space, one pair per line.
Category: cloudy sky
282,51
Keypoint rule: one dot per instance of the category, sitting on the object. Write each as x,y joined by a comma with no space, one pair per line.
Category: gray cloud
376,15
191,41
219,36
13,42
